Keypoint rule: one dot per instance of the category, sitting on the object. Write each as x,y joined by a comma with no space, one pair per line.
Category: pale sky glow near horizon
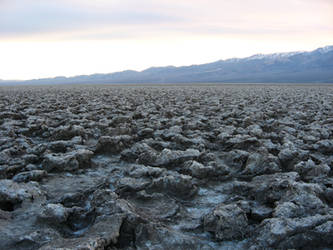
48,38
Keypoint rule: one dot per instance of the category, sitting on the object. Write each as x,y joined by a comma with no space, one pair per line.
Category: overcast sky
45,38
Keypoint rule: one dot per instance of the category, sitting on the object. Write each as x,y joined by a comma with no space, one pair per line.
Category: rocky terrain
166,167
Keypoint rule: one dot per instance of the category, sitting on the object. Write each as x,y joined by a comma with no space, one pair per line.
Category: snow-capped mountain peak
275,56
325,49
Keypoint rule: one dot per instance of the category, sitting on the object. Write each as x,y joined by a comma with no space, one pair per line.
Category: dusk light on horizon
75,37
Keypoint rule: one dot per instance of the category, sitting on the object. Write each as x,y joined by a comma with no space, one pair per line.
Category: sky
48,38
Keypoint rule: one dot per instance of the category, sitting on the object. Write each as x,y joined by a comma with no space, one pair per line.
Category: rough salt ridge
166,167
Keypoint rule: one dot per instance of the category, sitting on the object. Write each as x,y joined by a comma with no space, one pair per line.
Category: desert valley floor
166,167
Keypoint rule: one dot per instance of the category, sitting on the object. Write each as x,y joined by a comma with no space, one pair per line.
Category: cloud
27,17
103,19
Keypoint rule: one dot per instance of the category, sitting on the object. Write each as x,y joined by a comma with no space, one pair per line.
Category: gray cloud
103,19
33,17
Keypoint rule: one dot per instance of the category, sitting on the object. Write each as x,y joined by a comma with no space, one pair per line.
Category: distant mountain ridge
293,67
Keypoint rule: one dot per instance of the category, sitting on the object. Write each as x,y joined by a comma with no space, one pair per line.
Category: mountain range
294,67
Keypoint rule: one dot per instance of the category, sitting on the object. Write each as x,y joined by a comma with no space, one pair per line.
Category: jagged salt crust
166,167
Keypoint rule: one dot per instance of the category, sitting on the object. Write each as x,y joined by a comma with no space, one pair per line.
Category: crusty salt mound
166,167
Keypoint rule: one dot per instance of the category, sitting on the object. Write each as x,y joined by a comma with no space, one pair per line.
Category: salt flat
166,167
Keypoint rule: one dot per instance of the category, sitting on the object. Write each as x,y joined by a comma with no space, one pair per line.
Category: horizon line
166,66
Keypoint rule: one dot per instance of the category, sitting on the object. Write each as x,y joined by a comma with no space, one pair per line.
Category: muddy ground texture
165,167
